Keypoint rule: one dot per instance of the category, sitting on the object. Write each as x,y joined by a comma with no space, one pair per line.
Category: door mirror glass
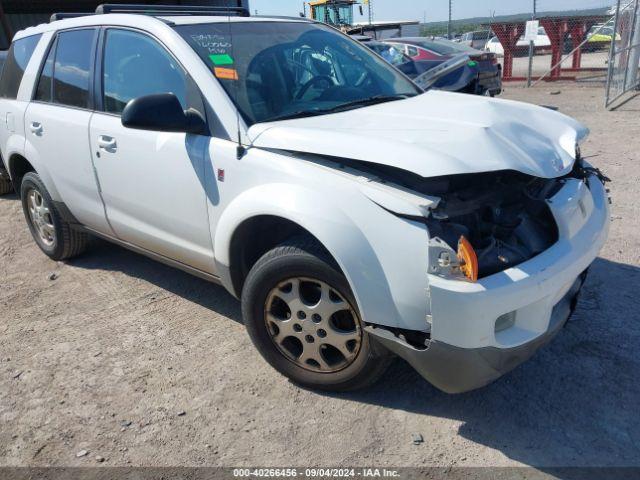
161,112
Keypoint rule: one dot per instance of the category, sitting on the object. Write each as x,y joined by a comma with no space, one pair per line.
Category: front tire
302,317
55,237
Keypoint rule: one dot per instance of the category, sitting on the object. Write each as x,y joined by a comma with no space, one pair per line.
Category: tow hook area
456,370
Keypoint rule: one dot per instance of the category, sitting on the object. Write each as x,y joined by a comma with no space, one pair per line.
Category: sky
435,10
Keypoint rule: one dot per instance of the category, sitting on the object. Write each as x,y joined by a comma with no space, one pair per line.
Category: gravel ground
141,364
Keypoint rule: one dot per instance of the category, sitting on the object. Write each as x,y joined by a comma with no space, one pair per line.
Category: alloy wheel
41,218
313,325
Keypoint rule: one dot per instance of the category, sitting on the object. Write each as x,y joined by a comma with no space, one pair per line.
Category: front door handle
36,128
107,143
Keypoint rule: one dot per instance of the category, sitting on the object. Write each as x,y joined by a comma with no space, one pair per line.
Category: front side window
72,68
135,65
17,60
278,70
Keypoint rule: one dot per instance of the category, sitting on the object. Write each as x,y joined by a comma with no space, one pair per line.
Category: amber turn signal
468,259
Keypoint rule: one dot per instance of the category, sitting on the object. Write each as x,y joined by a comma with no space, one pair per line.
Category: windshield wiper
298,114
376,99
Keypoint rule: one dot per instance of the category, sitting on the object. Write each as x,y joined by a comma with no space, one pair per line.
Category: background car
599,37
522,47
482,75
477,39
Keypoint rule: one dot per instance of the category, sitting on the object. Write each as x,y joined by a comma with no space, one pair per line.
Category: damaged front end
495,220
504,217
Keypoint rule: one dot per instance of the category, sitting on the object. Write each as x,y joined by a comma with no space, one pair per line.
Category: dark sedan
481,75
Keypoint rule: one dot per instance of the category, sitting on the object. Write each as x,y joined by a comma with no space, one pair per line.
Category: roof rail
62,16
172,10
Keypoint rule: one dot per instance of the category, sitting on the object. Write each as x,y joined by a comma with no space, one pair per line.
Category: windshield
276,70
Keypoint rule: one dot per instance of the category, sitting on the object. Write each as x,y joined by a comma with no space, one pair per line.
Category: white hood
436,134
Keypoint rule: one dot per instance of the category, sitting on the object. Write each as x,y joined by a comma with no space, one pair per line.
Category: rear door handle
107,143
36,128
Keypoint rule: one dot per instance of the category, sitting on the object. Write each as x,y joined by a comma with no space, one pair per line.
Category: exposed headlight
444,261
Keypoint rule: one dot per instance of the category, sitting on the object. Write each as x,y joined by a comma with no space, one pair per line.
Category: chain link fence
624,69
570,43
579,42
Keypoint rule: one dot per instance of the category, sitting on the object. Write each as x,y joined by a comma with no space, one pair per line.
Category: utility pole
449,24
532,46
370,12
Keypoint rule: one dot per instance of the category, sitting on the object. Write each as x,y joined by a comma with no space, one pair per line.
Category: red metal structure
508,33
558,30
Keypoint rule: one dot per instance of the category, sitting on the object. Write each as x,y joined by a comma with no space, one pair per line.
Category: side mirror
161,112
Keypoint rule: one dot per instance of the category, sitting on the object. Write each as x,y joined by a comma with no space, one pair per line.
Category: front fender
383,257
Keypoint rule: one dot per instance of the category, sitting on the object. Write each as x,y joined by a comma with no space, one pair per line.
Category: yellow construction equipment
338,13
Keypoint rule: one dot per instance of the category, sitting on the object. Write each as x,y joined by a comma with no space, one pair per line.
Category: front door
153,183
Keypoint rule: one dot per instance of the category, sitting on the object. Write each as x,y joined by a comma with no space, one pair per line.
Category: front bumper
457,370
467,350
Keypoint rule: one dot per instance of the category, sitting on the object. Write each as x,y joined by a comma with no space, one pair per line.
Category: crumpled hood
437,133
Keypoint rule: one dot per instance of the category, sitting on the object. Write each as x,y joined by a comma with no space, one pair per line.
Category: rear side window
72,68
17,60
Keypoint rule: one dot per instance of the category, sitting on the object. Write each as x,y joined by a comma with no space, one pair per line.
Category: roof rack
172,10
62,16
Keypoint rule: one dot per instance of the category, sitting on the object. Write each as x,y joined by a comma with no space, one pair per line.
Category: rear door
153,183
57,124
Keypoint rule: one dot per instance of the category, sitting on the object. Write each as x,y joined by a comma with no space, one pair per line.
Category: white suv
353,214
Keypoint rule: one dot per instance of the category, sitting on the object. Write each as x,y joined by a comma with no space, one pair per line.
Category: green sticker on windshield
221,59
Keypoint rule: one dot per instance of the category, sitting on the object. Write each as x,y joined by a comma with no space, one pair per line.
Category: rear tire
55,237
302,317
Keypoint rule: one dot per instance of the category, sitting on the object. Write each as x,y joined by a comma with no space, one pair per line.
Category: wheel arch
18,166
293,209
254,237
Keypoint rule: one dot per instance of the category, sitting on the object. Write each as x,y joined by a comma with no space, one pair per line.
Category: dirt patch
141,364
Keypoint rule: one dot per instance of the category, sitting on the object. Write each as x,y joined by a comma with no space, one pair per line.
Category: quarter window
136,65
17,60
72,67
44,89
